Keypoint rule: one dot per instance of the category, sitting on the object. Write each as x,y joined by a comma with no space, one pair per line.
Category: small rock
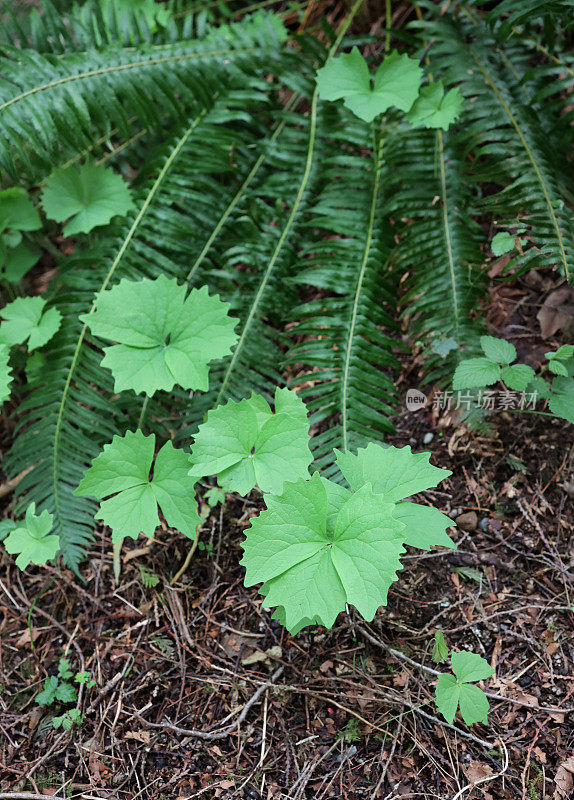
455,512
427,438
484,524
468,521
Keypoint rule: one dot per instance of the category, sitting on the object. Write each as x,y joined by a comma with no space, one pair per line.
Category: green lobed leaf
122,470
517,376
32,540
164,338
435,109
453,691
25,319
5,373
89,196
17,212
48,694
396,83
558,368
66,693
561,401
425,526
319,546
502,242
394,472
245,444
215,495
564,353
498,350
474,372
17,262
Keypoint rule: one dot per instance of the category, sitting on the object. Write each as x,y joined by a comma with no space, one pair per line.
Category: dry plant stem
187,561
215,735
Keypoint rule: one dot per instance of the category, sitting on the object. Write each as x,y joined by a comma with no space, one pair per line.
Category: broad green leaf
558,368
498,350
66,693
424,526
435,109
313,558
469,667
164,338
48,694
517,376
32,540
473,372
88,197
122,469
563,353
540,387
26,320
17,262
561,401
5,374
453,691
440,649
245,444
64,669
396,83
502,242
394,472
17,212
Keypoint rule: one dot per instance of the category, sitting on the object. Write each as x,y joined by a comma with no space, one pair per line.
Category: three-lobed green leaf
31,540
26,319
245,444
163,337
121,474
88,197
454,691
396,83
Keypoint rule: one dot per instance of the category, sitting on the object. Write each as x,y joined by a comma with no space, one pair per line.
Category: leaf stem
143,412
388,23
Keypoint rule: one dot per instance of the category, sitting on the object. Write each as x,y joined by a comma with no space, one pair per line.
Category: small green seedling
27,320
68,719
214,495
504,242
121,473
88,197
320,546
17,216
475,372
149,579
458,690
31,539
245,444
58,689
164,338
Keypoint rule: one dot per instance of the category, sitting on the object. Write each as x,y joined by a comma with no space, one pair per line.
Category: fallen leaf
564,779
557,312
476,771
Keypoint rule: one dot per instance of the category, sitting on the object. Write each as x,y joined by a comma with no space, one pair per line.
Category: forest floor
198,693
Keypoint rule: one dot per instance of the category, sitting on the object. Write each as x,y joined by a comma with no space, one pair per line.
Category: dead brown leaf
564,779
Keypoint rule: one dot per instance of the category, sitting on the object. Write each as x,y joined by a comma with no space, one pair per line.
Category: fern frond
51,106
510,147
344,355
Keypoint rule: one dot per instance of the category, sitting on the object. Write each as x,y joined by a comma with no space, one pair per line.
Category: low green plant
459,690
59,689
18,217
496,365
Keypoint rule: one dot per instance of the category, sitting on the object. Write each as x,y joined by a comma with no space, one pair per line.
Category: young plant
319,546
245,444
396,83
58,689
31,540
27,320
458,690
496,365
88,197
505,242
164,338
17,216
121,473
